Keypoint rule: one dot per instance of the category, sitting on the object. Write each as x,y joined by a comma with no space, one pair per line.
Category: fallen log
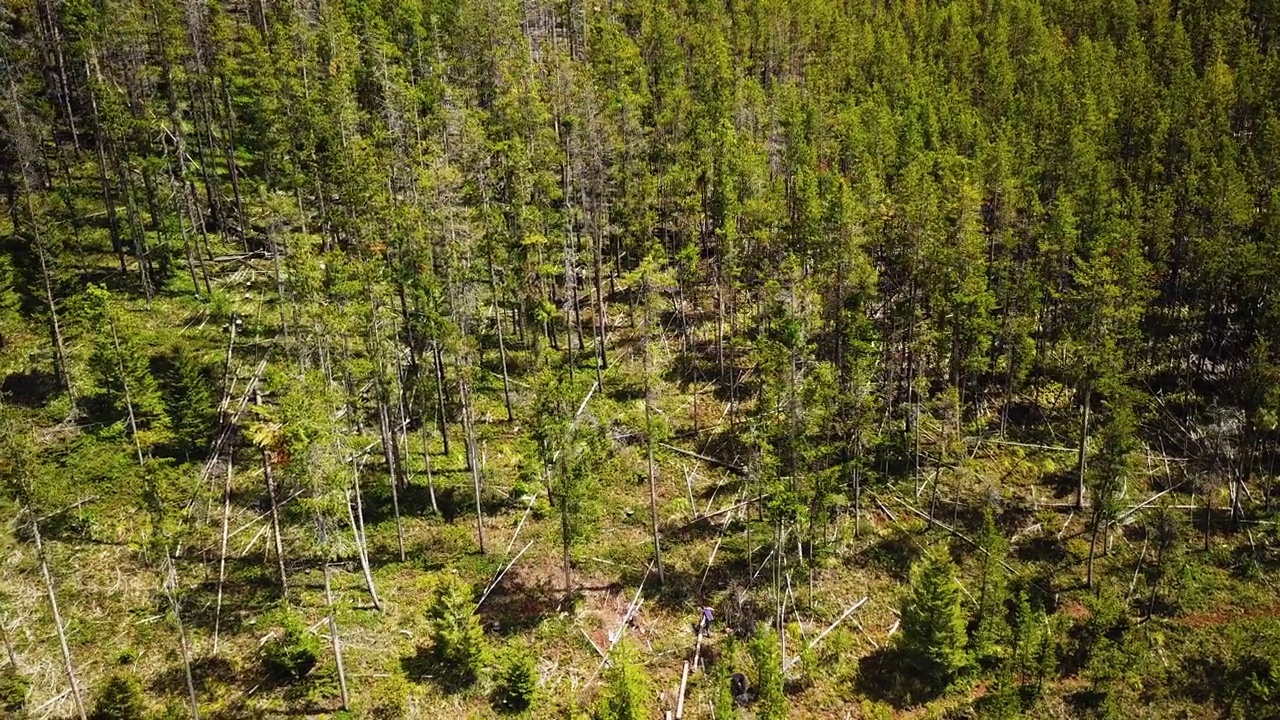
736,469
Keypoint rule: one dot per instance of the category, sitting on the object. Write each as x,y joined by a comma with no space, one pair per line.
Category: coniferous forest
461,358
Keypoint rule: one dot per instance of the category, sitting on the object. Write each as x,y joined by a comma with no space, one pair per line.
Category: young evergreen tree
934,641
770,692
628,692
458,647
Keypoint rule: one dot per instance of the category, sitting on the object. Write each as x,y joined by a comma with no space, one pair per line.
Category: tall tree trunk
648,421
438,361
222,552
426,463
128,397
502,344
108,200
1082,453
275,510
337,641
171,590
1093,552
57,616
473,461
357,530
61,369
389,454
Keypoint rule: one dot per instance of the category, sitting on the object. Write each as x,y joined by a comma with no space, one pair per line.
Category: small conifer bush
293,653
119,698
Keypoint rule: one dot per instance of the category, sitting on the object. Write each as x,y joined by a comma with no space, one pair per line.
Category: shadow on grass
885,676
519,604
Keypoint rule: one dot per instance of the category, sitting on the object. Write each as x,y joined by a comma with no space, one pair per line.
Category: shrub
13,689
517,683
628,692
119,698
457,640
293,653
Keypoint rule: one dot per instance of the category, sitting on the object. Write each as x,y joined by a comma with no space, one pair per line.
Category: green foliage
992,628
458,648
766,656
1250,671
934,639
190,402
628,692
13,689
291,654
723,706
391,699
119,698
517,682
121,369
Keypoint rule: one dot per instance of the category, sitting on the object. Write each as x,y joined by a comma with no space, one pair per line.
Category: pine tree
992,625
458,647
628,692
934,639
190,402
517,682
766,655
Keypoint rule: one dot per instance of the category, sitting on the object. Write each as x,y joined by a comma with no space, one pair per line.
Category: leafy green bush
13,689
119,698
293,653
457,640
628,691
517,682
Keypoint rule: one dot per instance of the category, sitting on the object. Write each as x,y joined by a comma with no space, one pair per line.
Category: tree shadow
30,389
894,554
1041,549
211,675
423,666
884,676
518,604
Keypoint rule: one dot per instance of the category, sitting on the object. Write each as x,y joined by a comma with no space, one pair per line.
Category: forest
638,359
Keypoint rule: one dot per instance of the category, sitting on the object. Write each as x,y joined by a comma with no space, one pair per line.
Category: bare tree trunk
857,502
222,552
59,345
337,642
113,222
357,530
468,427
502,345
600,313
170,590
1093,552
275,506
128,398
1082,455
57,617
440,408
648,421
391,464
426,462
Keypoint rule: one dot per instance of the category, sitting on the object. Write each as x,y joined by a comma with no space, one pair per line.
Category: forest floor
110,590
